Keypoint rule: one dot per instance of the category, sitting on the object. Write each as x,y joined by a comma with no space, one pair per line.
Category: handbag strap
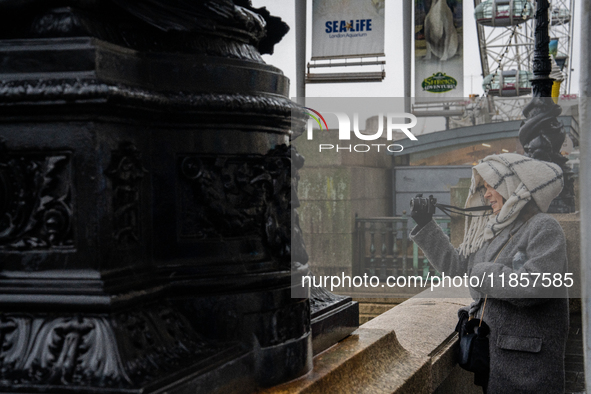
486,296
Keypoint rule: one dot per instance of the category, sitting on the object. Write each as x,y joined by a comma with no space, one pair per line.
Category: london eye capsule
508,83
559,16
503,12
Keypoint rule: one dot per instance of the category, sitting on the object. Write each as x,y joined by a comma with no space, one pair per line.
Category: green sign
439,83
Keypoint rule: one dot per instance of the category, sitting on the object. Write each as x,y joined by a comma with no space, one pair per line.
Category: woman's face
494,198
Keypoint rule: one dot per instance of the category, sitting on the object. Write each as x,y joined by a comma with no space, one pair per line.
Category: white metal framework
506,39
505,47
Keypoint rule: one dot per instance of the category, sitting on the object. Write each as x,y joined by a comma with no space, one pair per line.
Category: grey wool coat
529,326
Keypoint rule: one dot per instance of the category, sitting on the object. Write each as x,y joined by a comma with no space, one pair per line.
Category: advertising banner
347,28
438,49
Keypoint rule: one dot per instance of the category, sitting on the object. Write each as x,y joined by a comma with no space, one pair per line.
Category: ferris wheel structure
505,31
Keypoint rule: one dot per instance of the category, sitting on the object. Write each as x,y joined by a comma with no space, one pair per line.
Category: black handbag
473,350
474,353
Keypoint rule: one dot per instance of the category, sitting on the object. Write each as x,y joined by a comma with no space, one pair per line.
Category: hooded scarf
518,179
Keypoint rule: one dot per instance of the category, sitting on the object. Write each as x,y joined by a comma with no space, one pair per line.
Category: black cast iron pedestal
142,205
145,201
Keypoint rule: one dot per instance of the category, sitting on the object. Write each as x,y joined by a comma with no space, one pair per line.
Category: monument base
334,318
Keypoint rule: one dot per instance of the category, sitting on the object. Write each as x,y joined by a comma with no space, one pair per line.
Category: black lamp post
542,134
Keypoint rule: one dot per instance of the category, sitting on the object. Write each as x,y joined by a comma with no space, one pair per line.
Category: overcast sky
392,85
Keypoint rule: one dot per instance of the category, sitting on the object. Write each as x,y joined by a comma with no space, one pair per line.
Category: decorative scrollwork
36,208
128,350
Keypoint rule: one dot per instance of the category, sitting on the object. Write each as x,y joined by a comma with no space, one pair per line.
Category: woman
528,324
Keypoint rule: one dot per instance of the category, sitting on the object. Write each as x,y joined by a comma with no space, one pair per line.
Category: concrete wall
334,186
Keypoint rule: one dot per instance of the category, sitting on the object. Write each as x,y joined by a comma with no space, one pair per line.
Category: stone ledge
408,349
369,361
425,326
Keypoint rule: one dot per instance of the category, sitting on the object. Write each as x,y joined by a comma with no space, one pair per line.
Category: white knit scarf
518,179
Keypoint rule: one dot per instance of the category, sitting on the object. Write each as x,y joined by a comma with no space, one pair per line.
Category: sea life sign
439,69
347,28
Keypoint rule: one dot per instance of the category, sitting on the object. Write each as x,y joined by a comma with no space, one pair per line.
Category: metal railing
385,249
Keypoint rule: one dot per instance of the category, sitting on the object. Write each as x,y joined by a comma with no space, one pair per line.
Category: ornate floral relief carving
238,196
126,173
36,208
129,350
299,256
